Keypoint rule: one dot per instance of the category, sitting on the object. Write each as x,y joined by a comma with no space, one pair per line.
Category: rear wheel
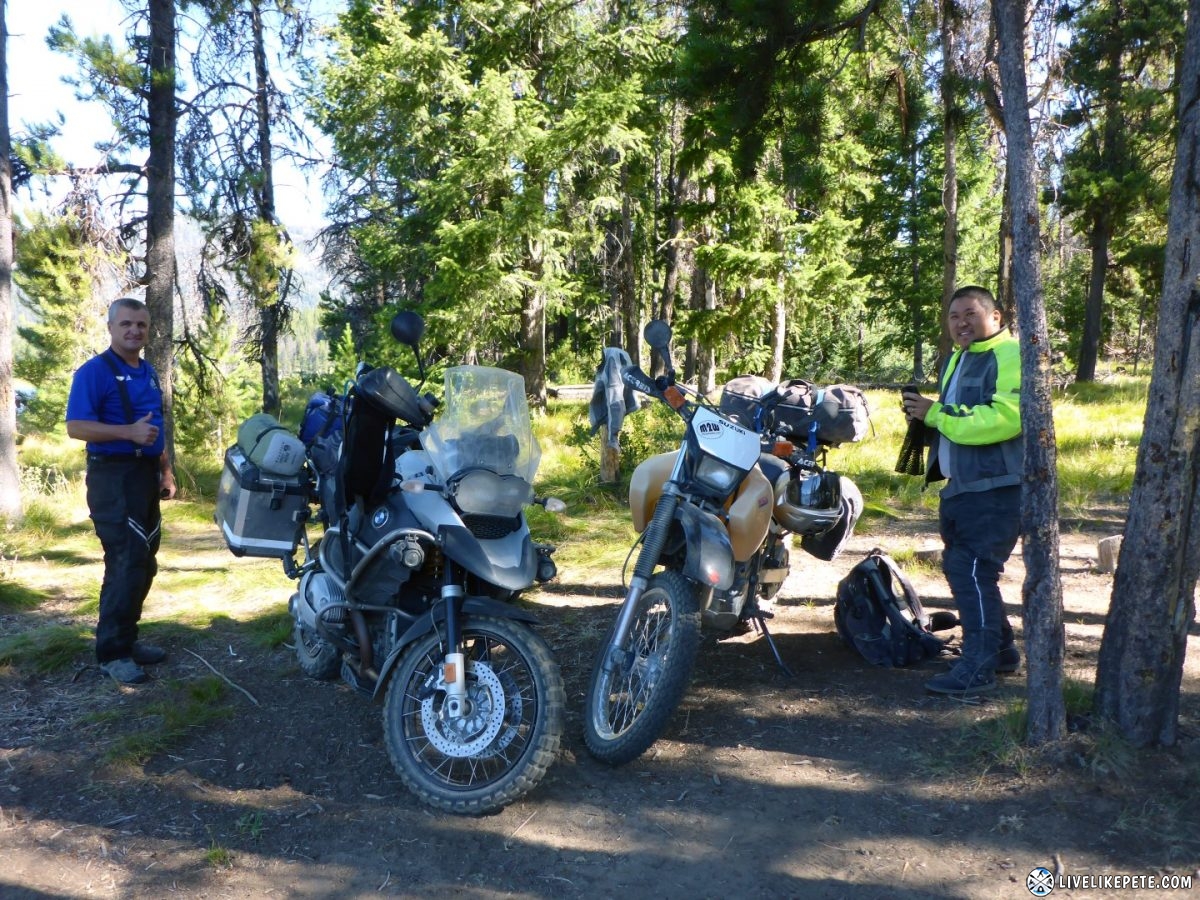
635,689
479,753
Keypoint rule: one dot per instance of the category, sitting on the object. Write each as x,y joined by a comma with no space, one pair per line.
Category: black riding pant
123,499
979,531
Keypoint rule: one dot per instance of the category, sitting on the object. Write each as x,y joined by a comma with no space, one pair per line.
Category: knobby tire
458,767
628,709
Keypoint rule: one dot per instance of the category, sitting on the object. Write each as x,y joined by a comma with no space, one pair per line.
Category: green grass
15,596
160,725
1097,426
45,649
996,742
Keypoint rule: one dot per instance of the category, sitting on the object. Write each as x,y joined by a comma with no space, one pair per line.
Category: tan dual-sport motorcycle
714,519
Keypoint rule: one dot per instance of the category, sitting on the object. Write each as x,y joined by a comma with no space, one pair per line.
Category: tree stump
1107,550
610,461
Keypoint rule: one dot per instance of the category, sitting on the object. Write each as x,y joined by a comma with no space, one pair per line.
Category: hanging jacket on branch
611,399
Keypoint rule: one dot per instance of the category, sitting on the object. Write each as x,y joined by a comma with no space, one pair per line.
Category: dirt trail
831,783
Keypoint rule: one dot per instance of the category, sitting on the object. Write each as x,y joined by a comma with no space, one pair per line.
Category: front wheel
479,755
634,689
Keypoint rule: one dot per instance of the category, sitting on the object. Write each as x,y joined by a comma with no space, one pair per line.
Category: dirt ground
842,781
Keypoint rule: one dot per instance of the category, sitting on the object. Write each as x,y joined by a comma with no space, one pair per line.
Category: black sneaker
958,683
125,671
147,654
1008,660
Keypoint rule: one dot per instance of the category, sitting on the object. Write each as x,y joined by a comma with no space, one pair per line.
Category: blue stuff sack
322,417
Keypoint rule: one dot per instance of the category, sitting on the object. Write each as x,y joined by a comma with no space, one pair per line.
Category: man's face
129,329
971,321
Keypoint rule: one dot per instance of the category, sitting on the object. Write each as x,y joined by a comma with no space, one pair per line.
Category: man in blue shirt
116,406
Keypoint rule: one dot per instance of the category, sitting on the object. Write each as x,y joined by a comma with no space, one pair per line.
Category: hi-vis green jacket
984,421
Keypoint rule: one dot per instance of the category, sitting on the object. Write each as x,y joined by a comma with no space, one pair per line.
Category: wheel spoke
503,709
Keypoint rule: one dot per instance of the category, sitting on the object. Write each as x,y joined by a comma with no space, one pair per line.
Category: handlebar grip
639,380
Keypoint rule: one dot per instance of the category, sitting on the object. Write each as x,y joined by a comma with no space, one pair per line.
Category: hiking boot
147,654
1008,660
960,684
125,671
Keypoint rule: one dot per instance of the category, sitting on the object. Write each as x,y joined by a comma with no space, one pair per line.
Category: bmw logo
381,517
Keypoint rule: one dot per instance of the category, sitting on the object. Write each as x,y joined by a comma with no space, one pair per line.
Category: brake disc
471,734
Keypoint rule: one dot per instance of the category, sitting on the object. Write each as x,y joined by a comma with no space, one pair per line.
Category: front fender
709,559
477,606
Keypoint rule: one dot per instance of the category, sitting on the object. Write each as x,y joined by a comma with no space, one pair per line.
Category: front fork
652,547
454,665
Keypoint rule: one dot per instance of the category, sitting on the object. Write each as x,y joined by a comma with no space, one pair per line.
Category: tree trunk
1042,591
271,313
533,327
1093,314
778,334
672,255
916,303
951,22
160,207
1004,263
10,483
631,312
1153,597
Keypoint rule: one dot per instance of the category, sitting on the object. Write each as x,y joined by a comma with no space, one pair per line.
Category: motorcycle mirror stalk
407,328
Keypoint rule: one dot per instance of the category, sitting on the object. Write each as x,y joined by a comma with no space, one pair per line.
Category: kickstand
760,623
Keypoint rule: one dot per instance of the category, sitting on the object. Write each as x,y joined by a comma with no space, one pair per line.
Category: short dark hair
126,303
975,292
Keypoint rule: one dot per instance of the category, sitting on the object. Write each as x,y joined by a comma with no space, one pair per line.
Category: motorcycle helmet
810,503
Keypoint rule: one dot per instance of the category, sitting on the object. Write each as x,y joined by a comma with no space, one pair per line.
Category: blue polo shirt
95,397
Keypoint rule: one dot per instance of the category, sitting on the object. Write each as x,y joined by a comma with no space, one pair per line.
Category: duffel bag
836,414
793,408
270,446
742,400
846,422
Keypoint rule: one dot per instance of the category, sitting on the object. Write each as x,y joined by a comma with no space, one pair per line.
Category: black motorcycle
407,595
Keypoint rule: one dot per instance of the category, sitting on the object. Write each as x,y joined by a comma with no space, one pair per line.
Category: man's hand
142,432
166,482
915,406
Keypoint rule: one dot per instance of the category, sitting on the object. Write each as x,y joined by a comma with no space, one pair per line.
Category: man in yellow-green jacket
975,443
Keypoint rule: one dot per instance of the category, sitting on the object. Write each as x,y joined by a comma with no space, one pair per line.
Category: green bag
270,446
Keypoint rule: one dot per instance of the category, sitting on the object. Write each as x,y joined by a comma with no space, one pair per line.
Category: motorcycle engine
724,608
325,598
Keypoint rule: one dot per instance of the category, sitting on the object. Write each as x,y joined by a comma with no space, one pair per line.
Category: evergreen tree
60,259
227,160
1118,70
137,88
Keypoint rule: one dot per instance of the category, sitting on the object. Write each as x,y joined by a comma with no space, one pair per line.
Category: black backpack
888,627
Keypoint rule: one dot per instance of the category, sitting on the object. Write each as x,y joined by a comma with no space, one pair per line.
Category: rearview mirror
408,327
657,334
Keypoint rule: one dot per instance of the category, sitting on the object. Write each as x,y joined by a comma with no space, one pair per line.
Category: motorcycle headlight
485,493
718,476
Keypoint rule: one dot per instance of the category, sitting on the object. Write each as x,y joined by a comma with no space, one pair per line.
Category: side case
260,514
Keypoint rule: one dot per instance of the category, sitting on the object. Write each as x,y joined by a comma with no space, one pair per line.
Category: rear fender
477,606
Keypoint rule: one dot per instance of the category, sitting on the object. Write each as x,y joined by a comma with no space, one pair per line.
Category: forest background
797,186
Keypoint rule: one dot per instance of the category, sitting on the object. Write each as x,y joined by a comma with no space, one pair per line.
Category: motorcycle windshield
484,423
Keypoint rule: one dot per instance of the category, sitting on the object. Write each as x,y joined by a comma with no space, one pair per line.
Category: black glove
912,452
